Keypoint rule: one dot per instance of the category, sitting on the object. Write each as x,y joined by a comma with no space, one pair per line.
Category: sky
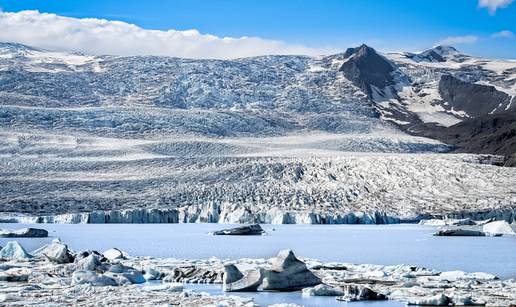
232,29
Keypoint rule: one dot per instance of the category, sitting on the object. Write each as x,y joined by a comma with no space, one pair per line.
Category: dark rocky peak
362,50
366,68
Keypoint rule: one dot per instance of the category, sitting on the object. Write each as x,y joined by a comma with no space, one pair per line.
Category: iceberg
13,250
498,228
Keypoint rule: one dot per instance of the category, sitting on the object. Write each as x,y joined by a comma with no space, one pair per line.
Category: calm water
376,244
268,298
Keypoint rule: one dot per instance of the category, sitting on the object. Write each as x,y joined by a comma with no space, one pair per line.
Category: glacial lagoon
375,244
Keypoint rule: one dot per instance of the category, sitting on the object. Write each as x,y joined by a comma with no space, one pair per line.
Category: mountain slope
492,134
473,99
155,95
451,89
359,91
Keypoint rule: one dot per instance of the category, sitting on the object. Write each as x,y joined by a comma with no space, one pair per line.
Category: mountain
124,96
436,54
353,137
369,71
358,91
450,89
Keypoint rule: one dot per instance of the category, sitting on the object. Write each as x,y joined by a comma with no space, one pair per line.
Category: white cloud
493,5
100,36
458,40
503,34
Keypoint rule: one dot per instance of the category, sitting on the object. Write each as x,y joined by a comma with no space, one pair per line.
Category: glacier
271,139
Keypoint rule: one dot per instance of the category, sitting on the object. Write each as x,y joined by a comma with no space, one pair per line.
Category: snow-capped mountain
358,91
155,95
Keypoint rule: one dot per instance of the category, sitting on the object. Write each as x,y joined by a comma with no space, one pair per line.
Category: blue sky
335,25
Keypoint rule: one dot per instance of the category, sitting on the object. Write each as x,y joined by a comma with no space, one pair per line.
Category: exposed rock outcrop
474,99
486,134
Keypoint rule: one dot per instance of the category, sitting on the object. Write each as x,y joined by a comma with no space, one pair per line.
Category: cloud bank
503,34
100,37
458,40
493,5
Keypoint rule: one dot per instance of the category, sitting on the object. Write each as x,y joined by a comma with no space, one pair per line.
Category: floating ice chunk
24,233
13,250
460,275
459,300
114,254
498,227
438,300
170,287
432,222
444,300
376,274
92,278
56,252
124,274
322,290
354,293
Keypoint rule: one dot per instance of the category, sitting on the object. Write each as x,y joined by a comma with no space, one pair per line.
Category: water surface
268,298
376,244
